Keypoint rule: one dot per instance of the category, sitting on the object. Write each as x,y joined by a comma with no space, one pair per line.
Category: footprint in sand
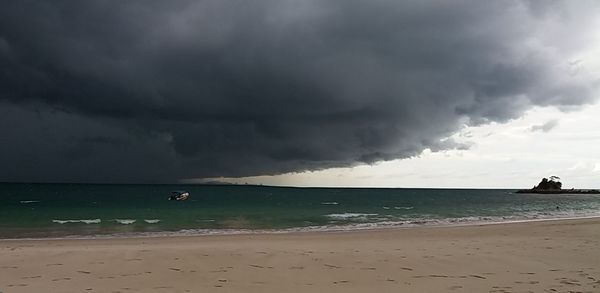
570,282
431,276
528,282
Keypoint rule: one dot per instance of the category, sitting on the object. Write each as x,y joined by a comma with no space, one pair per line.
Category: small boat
179,195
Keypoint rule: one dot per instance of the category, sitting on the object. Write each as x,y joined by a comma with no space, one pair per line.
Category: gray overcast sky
159,91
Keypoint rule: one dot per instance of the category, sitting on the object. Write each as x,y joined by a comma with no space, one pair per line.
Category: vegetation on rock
549,184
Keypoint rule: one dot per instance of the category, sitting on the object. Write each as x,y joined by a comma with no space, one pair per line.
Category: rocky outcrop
552,185
549,184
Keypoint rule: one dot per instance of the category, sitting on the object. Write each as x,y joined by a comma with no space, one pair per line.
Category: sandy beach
547,256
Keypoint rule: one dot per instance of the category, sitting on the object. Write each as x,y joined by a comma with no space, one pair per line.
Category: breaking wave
347,216
125,221
85,221
29,201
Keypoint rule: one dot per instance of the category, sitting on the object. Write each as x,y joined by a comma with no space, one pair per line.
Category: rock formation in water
553,185
549,184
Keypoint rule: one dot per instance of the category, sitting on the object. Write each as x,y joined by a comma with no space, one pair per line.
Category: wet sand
548,256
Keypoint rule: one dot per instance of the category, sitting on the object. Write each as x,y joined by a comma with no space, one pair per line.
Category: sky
516,154
310,93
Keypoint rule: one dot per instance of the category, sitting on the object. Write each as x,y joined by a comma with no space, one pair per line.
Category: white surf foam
29,201
345,216
125,221
85,221
403,208
330,203
151,221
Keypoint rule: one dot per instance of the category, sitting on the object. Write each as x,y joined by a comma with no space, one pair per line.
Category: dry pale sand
551,256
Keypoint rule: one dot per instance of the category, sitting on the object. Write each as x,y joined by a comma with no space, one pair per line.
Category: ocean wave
346,227
391,224
330,203
85,221
403,208
125,221
29,201
346,216
151,221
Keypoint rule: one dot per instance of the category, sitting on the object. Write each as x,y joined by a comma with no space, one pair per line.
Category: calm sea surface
59,210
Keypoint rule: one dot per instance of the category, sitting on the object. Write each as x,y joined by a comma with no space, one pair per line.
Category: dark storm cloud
162,90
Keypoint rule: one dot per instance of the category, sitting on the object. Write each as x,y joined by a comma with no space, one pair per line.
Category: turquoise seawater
58,210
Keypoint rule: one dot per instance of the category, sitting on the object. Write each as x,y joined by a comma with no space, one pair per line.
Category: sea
104,210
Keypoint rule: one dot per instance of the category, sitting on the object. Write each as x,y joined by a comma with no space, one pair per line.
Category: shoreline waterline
529,256
291,231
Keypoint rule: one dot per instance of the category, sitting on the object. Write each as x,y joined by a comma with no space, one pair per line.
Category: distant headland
553,185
